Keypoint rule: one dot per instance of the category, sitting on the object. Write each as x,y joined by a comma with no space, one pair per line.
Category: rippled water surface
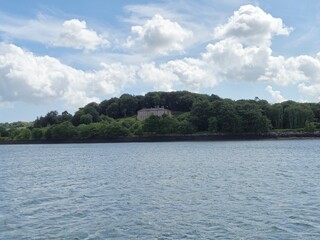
181,190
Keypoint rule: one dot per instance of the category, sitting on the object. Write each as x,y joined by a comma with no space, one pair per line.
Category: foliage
86,119
310,126
115,129
192,112
63,130
36,133
21,134
3,132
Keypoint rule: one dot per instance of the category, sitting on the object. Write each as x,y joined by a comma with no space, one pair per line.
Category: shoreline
175,138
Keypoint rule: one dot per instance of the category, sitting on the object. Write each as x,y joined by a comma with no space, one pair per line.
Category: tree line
192,113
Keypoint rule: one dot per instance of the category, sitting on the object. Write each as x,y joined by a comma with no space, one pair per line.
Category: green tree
315,107
199,115
77,116
137,128
51,118
63,130
113,110
252,119
115,129
167,125
86,119
296,114
65,116
3,132
36,133
21,134
152,99
184,127
97,129
310,126
103,107
93,110
212,124
128,105
85,131
275,114
151,124
128,122
227,118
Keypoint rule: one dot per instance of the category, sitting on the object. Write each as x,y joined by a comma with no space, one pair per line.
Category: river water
176,190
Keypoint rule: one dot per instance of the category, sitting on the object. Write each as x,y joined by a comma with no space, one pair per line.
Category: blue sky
60,55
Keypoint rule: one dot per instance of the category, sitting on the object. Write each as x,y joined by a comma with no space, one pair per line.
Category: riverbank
176,138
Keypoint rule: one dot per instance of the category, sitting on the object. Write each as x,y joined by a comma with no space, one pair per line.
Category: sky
60,55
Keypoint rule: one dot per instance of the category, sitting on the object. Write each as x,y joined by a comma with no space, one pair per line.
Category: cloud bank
241,51
75,34
30,78
276,95
158,35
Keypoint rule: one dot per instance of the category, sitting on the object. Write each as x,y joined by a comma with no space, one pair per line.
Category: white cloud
29,78
192,74
293,70
158,35
42,29
160,78
241,52
187,74
244,56
250,25
312,90
75,34
233,61
50,31
276,95
198,16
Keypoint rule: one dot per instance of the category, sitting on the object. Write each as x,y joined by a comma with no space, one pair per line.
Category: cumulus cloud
191,73
276,95
312,90
160,78
233,61
158,35
293,70
75,34
251,25
29,78
241,51
47,30
188,74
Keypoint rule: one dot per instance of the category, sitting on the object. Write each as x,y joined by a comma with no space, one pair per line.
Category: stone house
144,113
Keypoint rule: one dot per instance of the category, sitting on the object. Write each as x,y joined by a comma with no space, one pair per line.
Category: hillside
193,113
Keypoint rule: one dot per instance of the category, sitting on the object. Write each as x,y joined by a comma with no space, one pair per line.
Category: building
144,113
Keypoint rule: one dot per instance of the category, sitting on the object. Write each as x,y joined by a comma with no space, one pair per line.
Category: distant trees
63,130
3,132
292,115
252,118
192,112
87,114
21,134
52,118
226,115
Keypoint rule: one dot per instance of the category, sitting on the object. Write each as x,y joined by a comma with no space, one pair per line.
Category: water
181,190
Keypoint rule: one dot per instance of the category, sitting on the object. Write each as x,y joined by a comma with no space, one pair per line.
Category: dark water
182,190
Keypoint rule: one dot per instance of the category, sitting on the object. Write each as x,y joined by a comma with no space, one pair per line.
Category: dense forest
192,113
